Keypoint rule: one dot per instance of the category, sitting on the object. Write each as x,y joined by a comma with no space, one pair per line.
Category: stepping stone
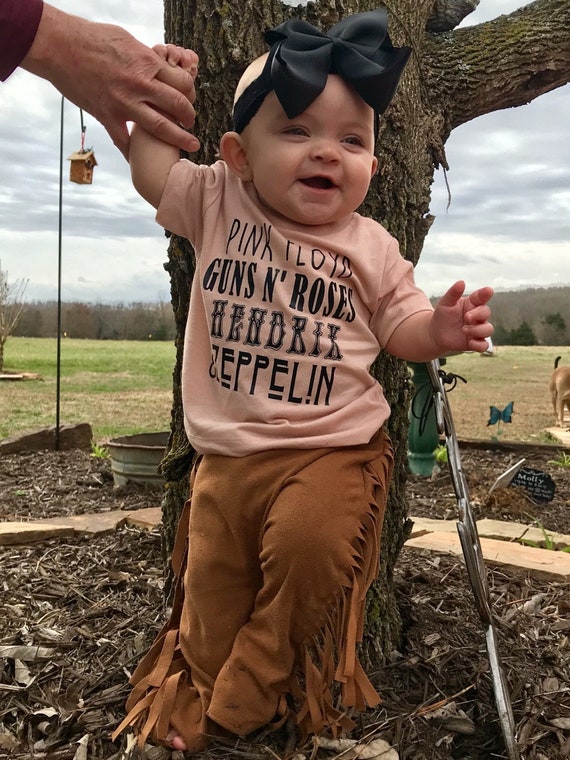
506,531
423,525
96,524
539,563
513,531
147,519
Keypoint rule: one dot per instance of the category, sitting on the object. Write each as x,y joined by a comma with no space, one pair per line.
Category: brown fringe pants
273,560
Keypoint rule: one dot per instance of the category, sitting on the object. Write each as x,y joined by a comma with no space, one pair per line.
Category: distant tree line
133,321
532,317
536,316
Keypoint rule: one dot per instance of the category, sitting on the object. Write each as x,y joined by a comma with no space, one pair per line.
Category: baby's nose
326,150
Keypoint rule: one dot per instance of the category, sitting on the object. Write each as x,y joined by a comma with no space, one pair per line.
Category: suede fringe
312,687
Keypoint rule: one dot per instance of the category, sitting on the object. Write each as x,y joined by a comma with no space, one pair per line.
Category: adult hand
106,71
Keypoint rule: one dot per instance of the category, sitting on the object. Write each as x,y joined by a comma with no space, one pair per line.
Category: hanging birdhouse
81,167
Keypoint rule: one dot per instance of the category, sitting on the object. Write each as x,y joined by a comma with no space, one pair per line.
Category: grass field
125,387
515,373
118,387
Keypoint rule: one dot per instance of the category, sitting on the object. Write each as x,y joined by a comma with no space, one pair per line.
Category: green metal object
423,435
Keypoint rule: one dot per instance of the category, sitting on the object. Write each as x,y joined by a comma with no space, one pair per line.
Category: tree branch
503,63
447,14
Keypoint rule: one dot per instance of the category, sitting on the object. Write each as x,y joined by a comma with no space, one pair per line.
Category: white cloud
510,199
508,223
488,260
97,269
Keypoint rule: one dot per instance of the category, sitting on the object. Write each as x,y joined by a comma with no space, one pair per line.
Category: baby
294,295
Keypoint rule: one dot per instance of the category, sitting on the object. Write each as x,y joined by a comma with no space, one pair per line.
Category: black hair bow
358,49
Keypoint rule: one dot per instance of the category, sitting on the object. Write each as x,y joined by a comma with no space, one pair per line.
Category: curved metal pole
473,554
58,340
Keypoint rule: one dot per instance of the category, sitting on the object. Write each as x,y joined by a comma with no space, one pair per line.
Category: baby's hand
461,323
181,62
175,55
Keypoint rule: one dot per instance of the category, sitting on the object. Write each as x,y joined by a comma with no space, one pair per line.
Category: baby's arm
458,323
151,159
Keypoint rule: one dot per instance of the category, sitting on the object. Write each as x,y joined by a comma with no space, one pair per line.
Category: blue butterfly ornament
498,415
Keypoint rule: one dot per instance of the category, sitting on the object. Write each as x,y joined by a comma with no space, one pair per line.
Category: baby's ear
374,167
234,153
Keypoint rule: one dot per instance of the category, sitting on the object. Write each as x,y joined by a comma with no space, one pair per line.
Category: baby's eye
353,140
296,131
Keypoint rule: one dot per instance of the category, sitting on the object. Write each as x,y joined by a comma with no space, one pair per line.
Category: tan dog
560,391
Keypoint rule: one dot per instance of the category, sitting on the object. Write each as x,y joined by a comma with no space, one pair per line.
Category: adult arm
107,72
19,21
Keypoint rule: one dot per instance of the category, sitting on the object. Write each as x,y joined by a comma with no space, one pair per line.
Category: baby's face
316,168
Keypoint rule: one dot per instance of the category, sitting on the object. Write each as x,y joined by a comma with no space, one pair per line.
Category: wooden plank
538,563
518,447
20,376
19,533
561,434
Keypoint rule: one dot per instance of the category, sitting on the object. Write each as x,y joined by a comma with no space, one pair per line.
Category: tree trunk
452,77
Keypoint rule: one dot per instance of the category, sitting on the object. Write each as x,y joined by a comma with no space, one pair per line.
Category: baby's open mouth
321,183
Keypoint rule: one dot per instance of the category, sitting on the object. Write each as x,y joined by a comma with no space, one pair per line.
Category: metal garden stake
471,545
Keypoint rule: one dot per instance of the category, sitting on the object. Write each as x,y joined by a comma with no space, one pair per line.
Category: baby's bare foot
176,741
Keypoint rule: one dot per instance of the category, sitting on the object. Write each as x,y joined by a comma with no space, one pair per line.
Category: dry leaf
51,633
338,745
377,749
8,741
460,724
533,604
82,749
27,654
562,723
22,673
550,684
452,719
45,712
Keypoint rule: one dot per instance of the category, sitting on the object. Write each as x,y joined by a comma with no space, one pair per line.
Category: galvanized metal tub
135,458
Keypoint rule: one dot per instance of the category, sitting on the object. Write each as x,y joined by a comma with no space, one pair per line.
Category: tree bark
452,77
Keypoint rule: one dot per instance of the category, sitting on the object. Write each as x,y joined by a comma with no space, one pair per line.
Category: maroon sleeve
19,20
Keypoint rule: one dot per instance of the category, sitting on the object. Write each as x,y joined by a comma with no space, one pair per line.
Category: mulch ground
77,614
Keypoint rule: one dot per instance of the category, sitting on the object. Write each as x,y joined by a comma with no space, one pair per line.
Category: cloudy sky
508,224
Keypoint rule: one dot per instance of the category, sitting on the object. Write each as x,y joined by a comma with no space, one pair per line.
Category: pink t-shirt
284,321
